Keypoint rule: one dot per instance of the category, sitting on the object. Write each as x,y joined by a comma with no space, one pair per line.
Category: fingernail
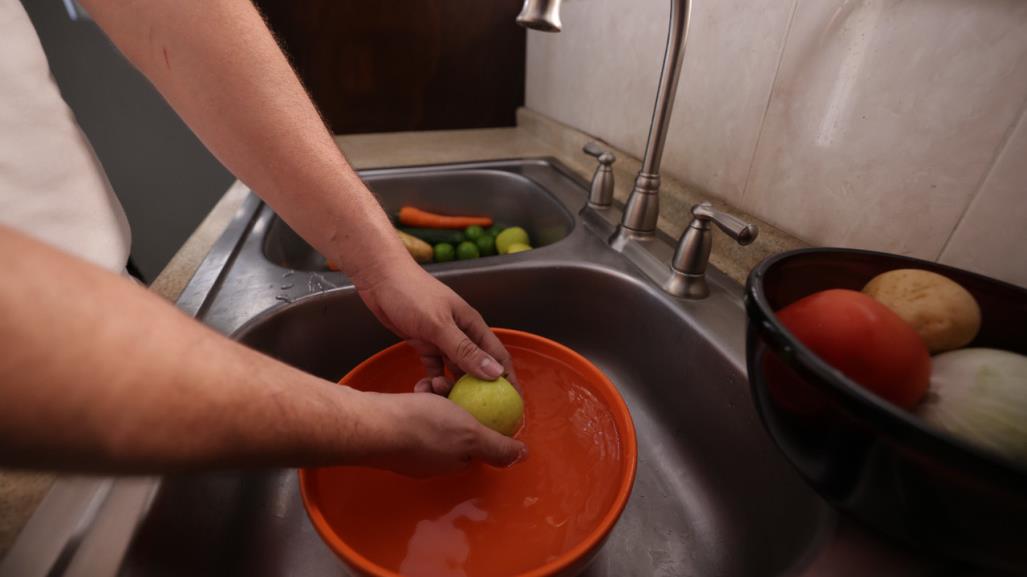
491,368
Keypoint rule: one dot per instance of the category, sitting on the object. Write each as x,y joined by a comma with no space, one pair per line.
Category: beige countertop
533,137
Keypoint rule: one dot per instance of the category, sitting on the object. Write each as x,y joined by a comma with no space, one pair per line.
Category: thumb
498,450
461,350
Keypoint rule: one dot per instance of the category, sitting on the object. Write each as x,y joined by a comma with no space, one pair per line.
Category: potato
420,250
943,313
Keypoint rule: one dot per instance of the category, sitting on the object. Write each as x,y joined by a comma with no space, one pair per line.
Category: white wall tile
600,75
991,237
886,117
730,63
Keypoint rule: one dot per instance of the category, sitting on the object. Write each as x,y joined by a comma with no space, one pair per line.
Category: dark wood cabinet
388,65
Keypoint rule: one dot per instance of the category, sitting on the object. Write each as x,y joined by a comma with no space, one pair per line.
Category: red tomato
865,340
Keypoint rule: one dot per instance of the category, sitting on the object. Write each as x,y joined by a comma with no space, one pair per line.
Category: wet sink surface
712,496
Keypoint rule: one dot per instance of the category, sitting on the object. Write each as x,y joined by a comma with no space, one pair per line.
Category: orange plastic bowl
547,515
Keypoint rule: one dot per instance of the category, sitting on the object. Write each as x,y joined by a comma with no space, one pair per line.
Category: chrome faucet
643,207
688,268
600,194
541,15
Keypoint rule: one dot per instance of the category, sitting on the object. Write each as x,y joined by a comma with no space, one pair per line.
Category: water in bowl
484,520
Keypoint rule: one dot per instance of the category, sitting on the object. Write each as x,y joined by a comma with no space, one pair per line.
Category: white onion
981,396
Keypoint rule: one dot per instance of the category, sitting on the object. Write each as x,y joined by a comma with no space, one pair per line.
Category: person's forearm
218,65
98,374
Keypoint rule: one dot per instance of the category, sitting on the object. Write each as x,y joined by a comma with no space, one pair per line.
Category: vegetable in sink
430,237
472,241
420,250
511,236
467,250
435,235
415,217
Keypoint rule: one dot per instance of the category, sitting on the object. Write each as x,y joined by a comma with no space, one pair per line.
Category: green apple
517,247
496,404
512,235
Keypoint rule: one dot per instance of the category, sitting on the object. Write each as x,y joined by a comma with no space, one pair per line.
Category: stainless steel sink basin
509,197
713,496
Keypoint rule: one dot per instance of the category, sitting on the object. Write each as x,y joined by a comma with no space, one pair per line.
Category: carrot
410,216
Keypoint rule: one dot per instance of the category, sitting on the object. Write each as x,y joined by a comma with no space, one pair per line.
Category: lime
496,404
512,235
474,232
466,250
486,245
517,247
494,230
444,252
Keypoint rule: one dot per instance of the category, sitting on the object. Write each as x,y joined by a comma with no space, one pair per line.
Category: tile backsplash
894,125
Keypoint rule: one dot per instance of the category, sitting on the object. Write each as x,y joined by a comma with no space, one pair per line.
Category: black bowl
883,465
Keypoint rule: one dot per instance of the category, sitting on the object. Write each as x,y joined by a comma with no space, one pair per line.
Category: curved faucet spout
642,210
677,35
541,15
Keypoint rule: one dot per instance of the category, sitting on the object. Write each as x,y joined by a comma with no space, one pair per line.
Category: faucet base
687,286
623,235
642,210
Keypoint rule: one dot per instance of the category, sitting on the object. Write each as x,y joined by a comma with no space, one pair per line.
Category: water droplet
289,274
283,298
325,281
317,283
287,286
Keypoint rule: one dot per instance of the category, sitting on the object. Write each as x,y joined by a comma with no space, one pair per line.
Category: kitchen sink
713,496
510,198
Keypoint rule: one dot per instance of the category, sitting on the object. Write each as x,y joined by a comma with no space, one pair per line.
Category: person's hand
443,329
428,435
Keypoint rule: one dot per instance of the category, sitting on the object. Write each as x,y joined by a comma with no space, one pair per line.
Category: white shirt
51,185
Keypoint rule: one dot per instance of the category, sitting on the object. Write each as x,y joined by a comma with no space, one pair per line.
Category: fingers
473,326
463,345
466,354
430,357
438,385
498,450
423,385
441,386
455,371
490,343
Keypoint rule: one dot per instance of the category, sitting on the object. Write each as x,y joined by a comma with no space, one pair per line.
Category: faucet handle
688,268
605,156
600,195
743,232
